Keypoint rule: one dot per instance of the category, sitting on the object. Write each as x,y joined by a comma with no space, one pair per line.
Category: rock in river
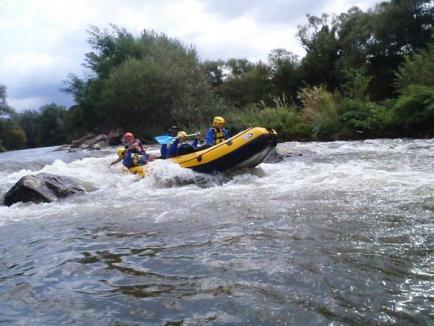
43,187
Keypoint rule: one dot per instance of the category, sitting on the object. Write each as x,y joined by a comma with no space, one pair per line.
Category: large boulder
94,141
101,140
43,187
77,142
115,137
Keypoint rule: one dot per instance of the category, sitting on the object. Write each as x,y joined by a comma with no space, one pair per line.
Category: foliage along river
343,235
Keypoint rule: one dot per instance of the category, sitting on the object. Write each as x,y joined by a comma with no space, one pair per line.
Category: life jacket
140,159
219,135
133,159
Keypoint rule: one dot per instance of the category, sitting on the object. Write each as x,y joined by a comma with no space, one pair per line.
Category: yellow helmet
181,134
218,120
120,151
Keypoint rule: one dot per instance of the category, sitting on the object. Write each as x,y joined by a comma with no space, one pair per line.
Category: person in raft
133,144
164,149
217,133
130,159
181,147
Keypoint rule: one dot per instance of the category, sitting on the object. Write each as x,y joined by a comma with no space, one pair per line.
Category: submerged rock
280,154
43,187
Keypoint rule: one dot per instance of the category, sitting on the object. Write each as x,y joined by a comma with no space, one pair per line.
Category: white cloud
20,65
28,103
42,41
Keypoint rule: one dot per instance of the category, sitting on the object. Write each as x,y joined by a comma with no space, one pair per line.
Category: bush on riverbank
287,121
415,110
14,138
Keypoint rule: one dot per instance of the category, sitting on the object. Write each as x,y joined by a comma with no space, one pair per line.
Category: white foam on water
399,168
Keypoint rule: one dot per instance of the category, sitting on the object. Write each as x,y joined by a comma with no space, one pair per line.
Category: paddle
164,140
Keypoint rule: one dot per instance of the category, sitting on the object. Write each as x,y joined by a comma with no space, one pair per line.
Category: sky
42,41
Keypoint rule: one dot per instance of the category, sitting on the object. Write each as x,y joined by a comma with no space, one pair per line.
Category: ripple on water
340,235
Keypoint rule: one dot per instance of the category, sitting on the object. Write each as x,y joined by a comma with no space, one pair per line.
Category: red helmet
129,135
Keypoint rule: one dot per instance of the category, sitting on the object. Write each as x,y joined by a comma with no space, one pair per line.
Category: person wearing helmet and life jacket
164,149
120,151
133,144
130,159
217,133
181,147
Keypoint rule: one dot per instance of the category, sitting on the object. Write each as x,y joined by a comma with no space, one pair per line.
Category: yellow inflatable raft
244,150
141,170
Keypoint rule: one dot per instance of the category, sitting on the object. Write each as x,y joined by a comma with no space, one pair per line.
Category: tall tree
6,113
246,83
285,73
400,27
5,109
141,83
320,40
214,71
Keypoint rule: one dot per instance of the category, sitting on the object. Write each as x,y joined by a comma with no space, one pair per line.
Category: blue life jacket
133,159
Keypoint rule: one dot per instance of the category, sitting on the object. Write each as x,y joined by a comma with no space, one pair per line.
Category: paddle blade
164,139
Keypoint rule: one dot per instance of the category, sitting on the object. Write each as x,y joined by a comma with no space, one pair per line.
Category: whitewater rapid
391,170
341,232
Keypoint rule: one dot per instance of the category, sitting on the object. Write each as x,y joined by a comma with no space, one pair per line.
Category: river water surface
342,235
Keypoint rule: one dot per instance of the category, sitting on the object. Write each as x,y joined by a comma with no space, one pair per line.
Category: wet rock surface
98,141
281,154
43,187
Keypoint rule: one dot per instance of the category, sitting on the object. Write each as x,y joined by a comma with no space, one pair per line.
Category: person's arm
135,147
116,161
209,139
194,143
226,133
144,159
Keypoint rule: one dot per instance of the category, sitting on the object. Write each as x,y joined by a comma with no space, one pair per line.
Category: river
342,235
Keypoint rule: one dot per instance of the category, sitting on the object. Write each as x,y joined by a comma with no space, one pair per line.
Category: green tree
29,122
238,67
320,40
14,137
141,83
249,84
356,84
214,71
5,110
51,127
417,69
6,114
415,110
375,41
400,27
285,73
